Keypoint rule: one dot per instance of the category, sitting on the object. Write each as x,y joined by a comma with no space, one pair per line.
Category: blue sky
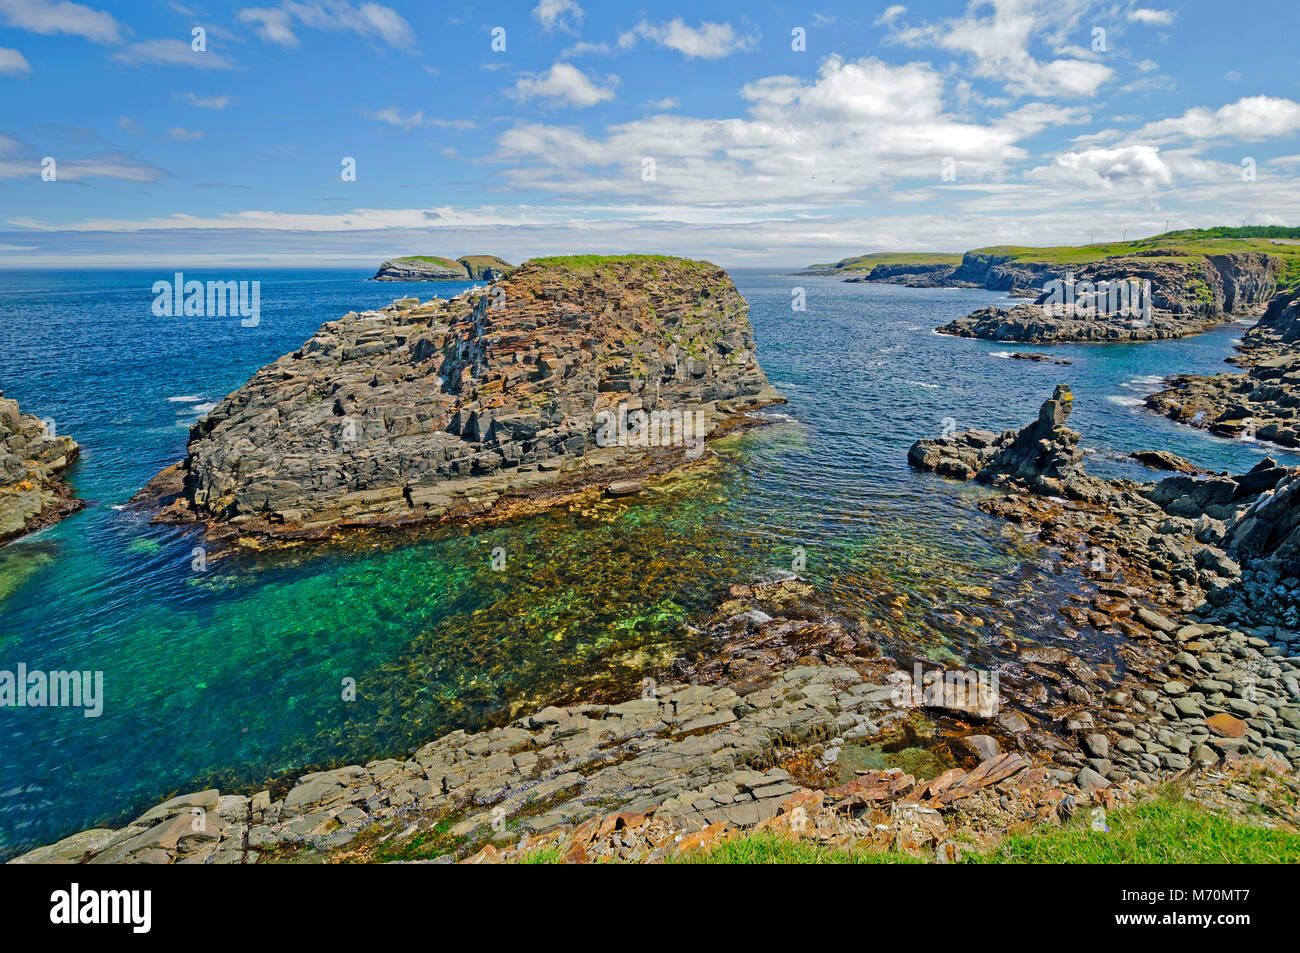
896,126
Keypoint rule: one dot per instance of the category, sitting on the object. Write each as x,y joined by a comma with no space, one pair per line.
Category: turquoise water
234,675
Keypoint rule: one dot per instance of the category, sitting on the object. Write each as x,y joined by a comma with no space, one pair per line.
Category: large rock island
570,373
437,268
32,492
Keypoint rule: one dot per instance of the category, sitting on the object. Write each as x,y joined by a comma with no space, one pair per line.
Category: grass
1165,830
589,263
766,847
434,259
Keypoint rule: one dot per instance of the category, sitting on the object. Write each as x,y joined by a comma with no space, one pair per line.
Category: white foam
918,383
1124,401
184,399
999,354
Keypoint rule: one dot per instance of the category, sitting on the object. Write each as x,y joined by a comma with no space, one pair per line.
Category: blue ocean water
232,676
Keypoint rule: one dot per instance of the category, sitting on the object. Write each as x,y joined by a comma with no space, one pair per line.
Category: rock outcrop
1264,402
567,373
32,493
1039,455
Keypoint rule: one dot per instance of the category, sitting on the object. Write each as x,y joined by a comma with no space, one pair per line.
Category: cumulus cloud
564,84
13,63
1150,17
1251,118
209,102
372,21
48,17
181,134
998,44
395,117
858,124
170,52
709,41
1125,166
565,14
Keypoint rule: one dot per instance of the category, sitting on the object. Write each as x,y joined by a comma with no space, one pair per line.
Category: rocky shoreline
787,695
560,378
33,493
1262,403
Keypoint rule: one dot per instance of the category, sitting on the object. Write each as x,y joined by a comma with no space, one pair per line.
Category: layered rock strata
32,492
561,375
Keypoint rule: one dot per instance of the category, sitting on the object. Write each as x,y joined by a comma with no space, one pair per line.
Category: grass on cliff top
451,263
588,264
492,260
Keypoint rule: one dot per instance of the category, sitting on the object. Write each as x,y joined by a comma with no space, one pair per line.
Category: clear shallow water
233,676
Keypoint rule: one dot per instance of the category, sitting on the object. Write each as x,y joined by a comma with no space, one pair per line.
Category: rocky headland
437,268
32,492
1263,402
566,375
1187,296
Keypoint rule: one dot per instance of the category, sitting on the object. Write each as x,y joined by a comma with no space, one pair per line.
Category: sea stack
571,372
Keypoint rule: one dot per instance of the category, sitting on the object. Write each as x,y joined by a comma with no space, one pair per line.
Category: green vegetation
589,263
435,260
765,847
1167,829
867,262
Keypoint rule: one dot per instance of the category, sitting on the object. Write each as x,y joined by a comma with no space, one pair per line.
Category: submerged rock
616,367
32,493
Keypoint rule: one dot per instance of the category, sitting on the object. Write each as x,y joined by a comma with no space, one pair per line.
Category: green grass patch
586,264
766,847
1165,830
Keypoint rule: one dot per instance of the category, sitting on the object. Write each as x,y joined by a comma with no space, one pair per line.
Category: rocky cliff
569,372
32,494
1187,295
435,268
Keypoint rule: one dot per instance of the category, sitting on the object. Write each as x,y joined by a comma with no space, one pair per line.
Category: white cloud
668,102
564,84
891,14
57,16
209,102
565,14
707,41
1252,118
181,134
999,44
1139,165
1150,17
370,20
857,125
271,24
170,52
13,63
394,117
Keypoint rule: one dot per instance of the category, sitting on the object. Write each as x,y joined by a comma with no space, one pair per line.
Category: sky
340,133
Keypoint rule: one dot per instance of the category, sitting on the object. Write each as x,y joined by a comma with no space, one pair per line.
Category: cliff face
1188,295
405,413
32,494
